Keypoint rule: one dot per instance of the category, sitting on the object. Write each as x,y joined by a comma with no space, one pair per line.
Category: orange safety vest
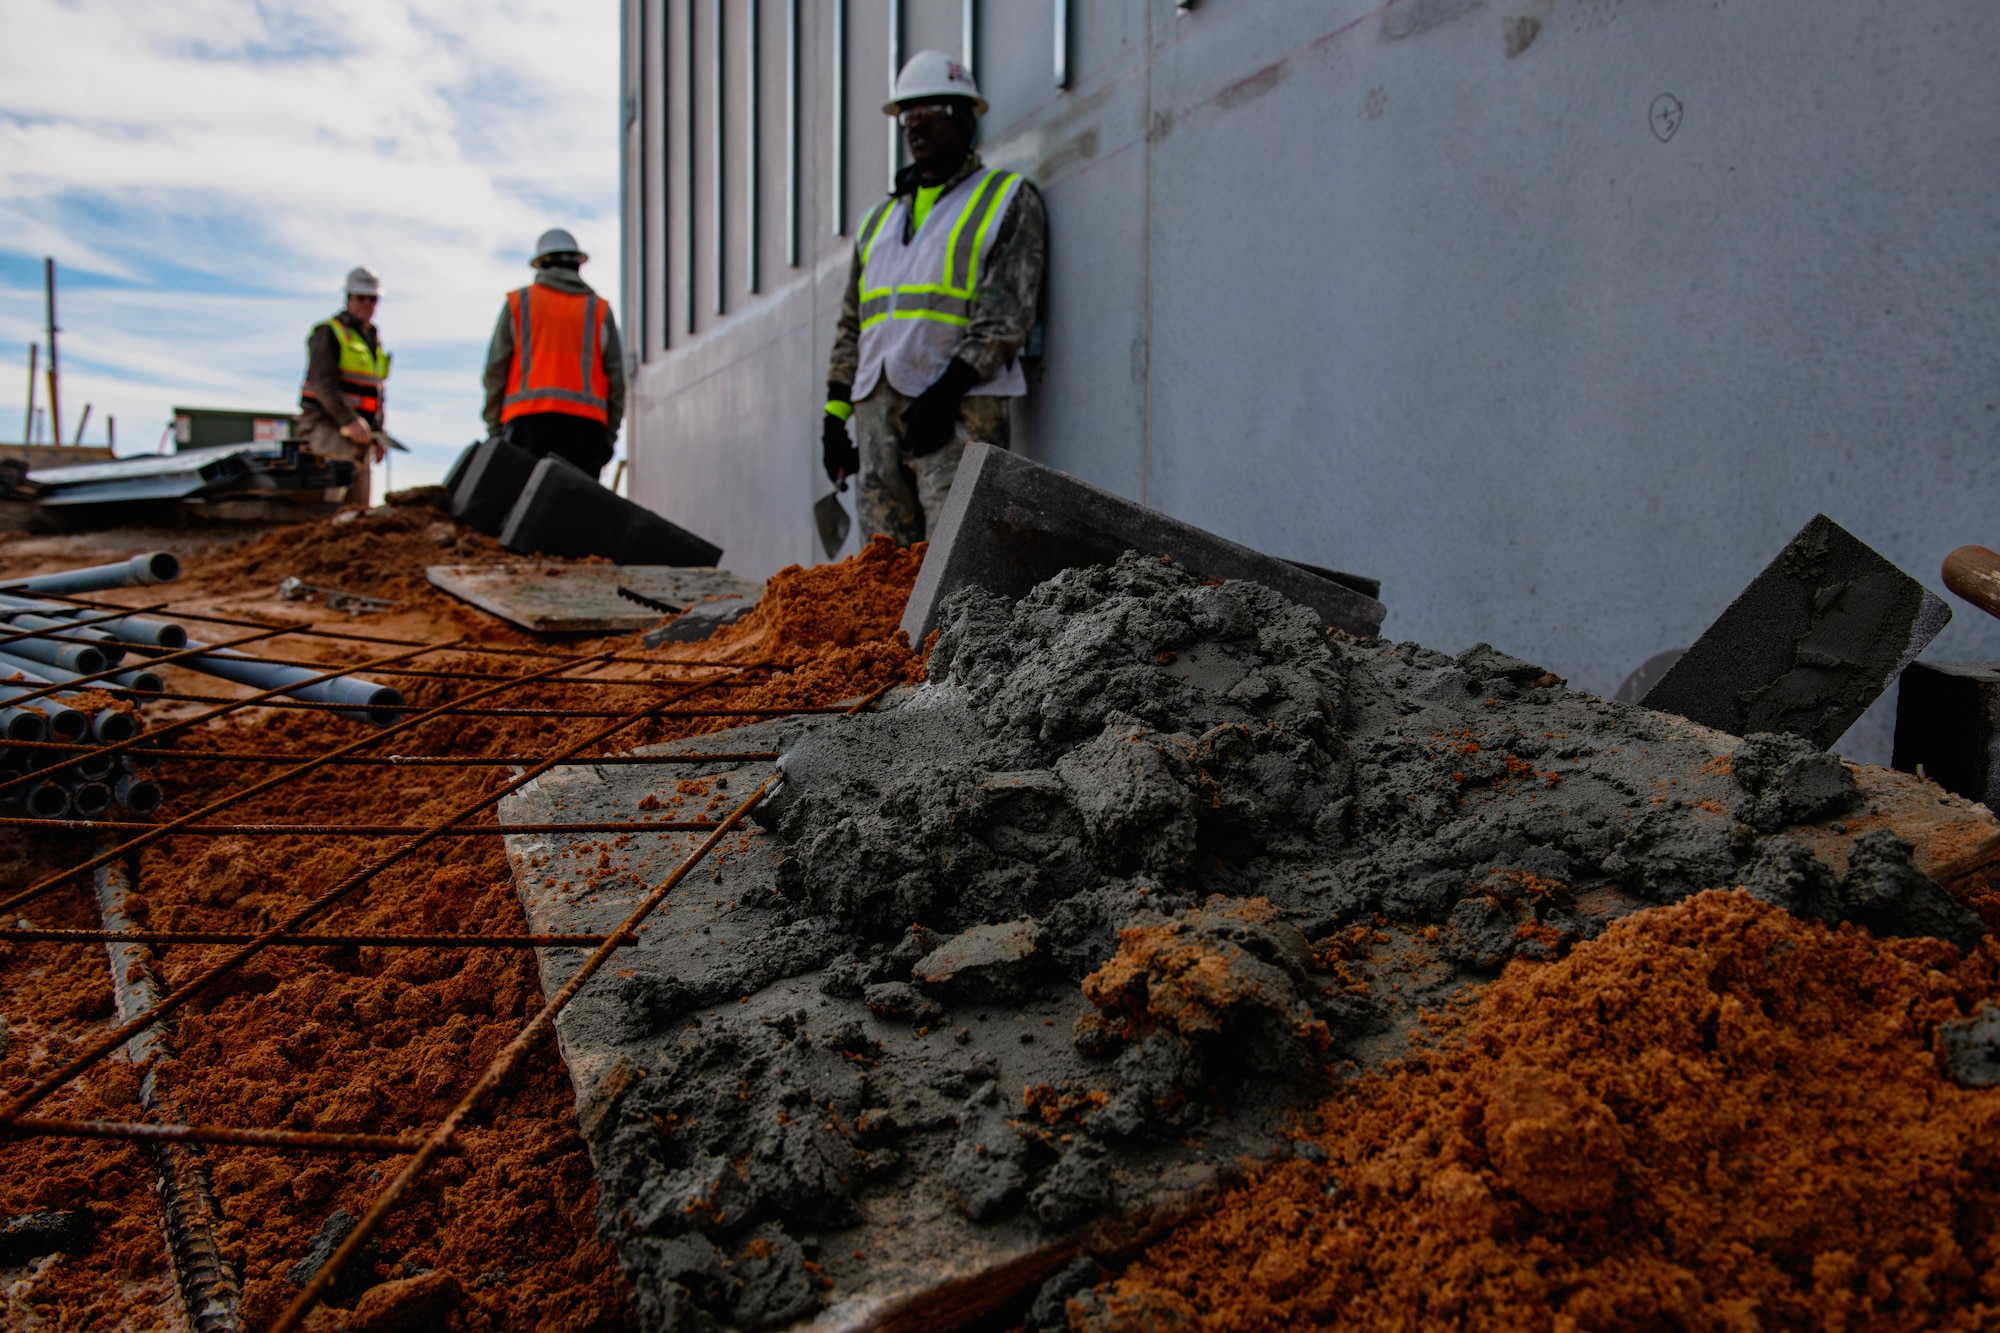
556,341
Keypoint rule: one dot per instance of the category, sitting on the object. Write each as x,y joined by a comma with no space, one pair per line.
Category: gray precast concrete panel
1559,318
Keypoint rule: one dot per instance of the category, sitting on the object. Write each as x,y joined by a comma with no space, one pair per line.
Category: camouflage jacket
1003,304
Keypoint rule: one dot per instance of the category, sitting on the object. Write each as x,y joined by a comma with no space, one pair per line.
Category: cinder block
1010,523
561,511
1808,645
490,484
1945,723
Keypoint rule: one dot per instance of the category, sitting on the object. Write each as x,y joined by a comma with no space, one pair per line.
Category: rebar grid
315,706
358,830
318,631
63,935
14,1119
503,1064
406,760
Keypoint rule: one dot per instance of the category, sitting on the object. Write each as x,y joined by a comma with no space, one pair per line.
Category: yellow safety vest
361,370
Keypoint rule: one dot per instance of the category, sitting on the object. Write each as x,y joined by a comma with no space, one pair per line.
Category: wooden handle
1973,572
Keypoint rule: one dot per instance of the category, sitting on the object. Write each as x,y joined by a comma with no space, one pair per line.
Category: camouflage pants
902,496
322,437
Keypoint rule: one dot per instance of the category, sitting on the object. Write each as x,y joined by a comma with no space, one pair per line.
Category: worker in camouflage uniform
940,299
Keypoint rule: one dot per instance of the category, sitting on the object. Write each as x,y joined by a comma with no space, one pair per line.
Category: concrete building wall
1558,316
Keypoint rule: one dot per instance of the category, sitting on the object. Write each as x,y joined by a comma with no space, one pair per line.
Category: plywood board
579,599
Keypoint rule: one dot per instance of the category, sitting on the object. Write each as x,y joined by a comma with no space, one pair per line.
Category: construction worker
555,372
341,400
941,296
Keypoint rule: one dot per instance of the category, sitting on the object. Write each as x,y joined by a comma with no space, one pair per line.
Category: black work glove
837,453
932,415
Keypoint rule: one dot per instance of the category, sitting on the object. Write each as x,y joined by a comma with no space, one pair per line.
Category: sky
205,172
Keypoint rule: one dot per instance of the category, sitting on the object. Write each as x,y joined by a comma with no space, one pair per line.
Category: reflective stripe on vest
362,370
916,296
556,340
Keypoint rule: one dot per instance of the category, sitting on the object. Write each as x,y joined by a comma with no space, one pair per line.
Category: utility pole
34,364
81,422
55,371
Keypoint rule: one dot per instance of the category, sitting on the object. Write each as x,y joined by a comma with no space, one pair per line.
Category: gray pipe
112,725
139,679
23,724
91,767
46,800
62,722
126,629
24,654
152,567
139,795
89,800
368,701
69,632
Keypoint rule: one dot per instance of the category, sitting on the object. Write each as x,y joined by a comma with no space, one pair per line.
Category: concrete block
1808,645
1945,724
1010,523
561,511
490,483
457,472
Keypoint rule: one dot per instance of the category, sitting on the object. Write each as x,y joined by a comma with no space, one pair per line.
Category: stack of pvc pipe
83,643
79,643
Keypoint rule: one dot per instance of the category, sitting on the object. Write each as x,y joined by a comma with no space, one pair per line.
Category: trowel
830,517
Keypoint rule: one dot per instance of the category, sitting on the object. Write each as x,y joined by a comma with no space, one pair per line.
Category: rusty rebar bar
315,631
141,754
354,830
256,788
172,728
510,1055
311,706
209,1289
7,613
174,656
145,1132
96,1050
64,936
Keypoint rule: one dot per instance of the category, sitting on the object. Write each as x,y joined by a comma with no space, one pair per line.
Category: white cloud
205,172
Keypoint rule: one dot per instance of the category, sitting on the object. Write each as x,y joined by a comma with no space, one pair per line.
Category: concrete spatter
1063,934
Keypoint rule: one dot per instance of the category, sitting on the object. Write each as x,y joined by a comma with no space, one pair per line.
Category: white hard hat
556,241
934,74
361,282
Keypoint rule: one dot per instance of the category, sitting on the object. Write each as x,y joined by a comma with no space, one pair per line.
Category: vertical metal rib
187,1200
895,67
968,39
791,133
718,213
1062,43
753,151
838,118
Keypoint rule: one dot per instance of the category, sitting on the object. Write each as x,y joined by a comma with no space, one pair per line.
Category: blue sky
205,171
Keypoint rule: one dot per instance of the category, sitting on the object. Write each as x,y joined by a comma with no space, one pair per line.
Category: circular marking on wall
1665,116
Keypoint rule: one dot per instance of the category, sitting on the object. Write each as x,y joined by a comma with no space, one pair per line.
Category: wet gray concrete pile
1024,962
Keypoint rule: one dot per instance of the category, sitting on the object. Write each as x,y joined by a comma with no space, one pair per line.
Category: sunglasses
356,296
923,115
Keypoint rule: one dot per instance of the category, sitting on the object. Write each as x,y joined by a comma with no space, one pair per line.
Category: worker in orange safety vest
555,370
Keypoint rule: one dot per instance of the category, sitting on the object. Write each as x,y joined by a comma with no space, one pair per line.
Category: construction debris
197,478
550,597
295,589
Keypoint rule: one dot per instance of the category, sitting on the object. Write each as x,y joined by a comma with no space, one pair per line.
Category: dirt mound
1715,1116
805,611
379,552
